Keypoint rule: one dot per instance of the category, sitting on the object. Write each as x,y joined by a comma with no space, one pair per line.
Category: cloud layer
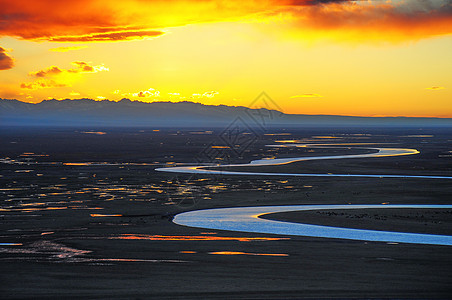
66,49
6,62
153,94
73,20
114,20
387,20
107,37
57,77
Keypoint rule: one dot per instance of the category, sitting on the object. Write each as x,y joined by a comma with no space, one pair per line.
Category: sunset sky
366,58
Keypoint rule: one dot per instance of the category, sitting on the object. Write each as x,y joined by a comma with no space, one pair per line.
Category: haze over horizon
126,113
315,57
270,106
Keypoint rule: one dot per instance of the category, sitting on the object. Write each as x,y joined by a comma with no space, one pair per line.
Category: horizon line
236,106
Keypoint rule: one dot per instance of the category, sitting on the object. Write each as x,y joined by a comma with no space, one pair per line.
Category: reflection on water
29,161
380,152
24,171
31,154
47,251
89,185
101,215
106,164
51,250
94,132
288,141
191,238
247,219
133,260
32,209
48,232
284,133
295,143
245,253
48,208
201,132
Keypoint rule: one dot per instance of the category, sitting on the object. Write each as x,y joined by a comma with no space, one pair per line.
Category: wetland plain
84,213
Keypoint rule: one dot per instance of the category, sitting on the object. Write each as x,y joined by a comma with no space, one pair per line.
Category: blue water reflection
246,219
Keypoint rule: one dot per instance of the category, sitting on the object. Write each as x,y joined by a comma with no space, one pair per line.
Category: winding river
380,152
246,219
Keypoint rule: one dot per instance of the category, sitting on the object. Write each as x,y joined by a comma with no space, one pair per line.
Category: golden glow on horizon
366,58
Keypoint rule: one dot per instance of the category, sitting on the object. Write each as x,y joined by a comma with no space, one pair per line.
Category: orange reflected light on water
136,260
245,253
101,215
287,141
31,209
33,204
32,154
48,232
191,238
94,132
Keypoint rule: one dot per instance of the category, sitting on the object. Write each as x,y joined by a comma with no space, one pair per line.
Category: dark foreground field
84,215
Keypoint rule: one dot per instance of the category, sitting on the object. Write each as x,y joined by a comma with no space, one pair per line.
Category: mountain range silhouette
88,112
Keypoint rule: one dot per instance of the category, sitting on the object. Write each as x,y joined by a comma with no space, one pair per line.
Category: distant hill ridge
88,112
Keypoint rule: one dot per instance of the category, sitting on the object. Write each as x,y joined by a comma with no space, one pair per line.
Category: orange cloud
66,49
210,94
108,37
6,62
81,67
153,94
435,88
49,71
150,93
57,77
41,84
73,20
110,20
119,20
414,19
